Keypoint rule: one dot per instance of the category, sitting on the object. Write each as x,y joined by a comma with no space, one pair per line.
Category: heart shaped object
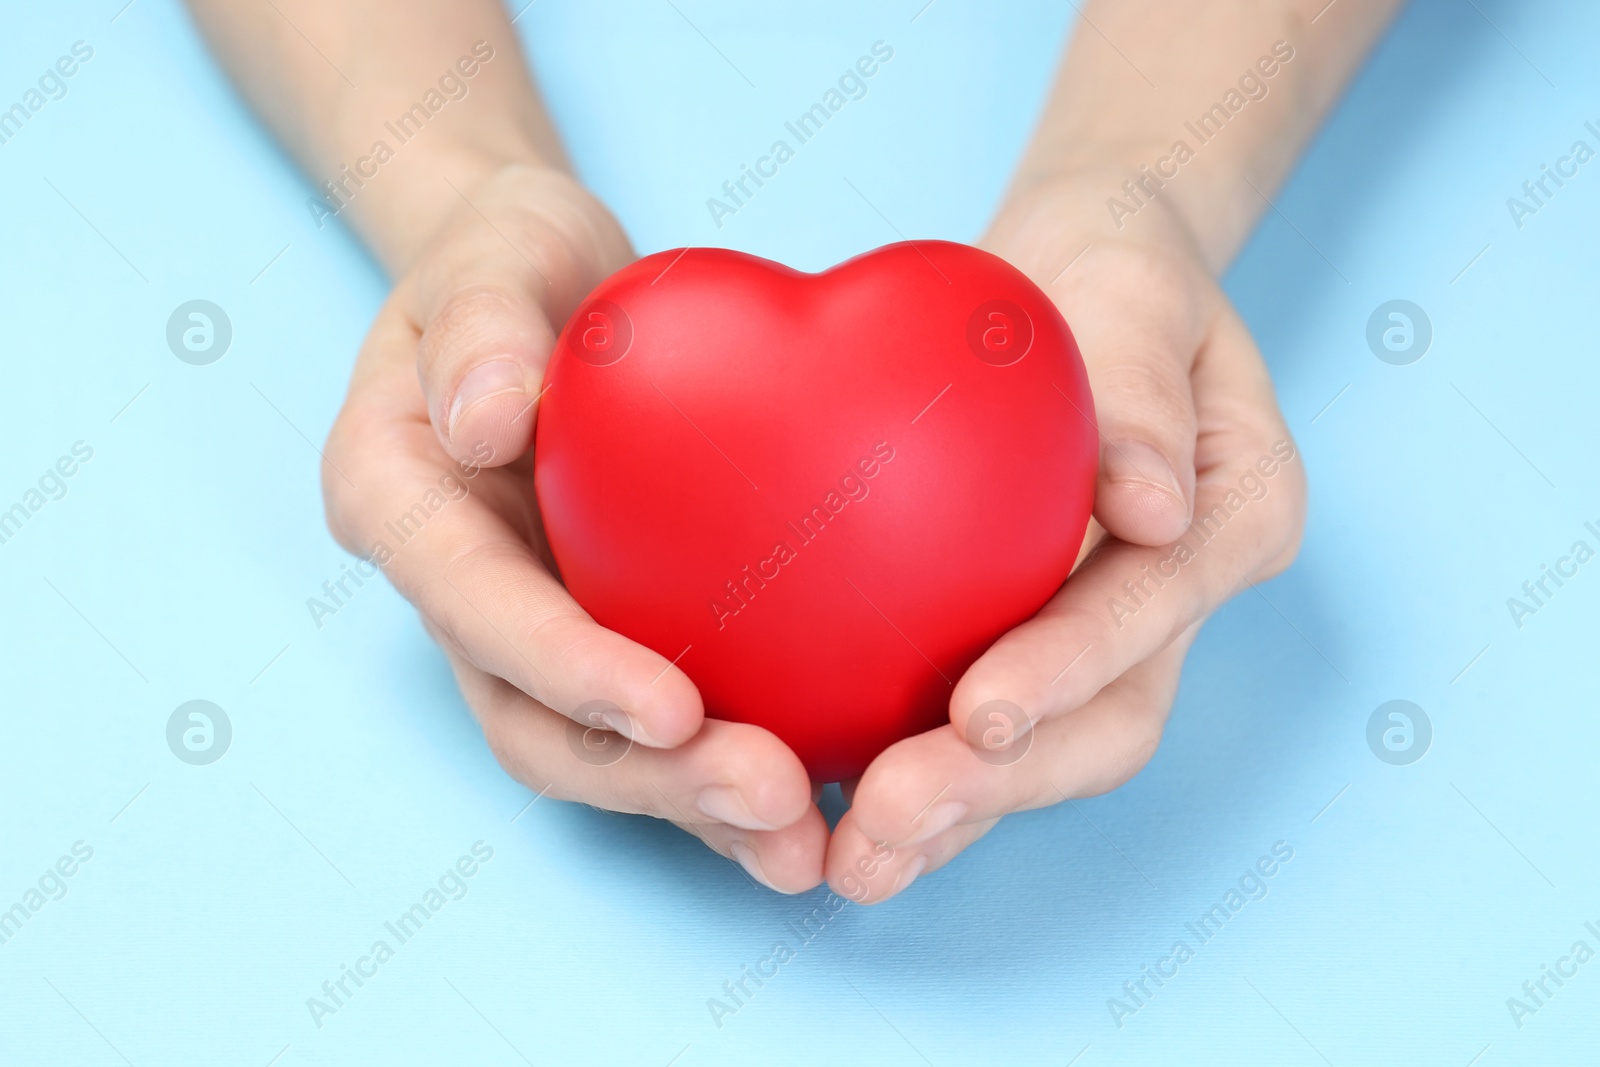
823,496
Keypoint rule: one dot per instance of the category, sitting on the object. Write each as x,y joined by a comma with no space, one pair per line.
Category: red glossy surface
834,490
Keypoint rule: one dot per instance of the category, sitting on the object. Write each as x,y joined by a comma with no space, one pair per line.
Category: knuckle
1141,749
1074,630
467,563
891,797
444,631
531,749
1150,391
469,560
749,759
503,733
1144,739
1288,526
1137,742
1073,625
732,749
560,238
470,303
340,507
473,318
555,636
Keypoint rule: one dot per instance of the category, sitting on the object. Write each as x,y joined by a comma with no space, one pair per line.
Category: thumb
481,360
1139,369
490,299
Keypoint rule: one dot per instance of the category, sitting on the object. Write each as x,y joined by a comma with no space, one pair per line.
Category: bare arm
1140,76
334,79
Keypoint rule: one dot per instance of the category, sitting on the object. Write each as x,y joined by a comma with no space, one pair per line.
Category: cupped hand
430,474
1201,492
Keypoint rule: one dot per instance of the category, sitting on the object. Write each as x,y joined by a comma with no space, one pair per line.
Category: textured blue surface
177,564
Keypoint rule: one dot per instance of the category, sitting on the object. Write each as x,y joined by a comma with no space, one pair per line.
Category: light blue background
221,897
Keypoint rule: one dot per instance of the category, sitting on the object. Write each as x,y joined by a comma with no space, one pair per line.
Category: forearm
1203,104
337,80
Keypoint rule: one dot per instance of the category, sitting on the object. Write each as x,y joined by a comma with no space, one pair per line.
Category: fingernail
480,383
725,804
620,722
1142,464
937,820
747,859
909,875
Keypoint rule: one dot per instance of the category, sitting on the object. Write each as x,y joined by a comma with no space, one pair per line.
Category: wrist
538,214
397,200
1046,216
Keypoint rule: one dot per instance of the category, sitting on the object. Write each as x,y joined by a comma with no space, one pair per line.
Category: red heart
821,495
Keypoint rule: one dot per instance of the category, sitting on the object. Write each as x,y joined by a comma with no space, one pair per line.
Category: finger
729,773
847,789
788,859
925,785
431,527
728,790
1138,341
968,792
1239,419
1127,601
489,302
870,872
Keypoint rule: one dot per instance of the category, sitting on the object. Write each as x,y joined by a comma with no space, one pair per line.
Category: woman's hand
430,474
1200,494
